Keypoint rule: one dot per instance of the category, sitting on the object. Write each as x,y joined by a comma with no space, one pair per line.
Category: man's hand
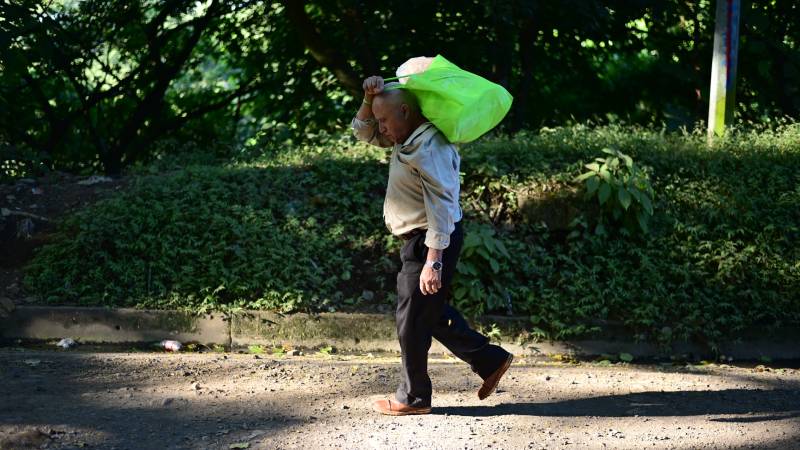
373,86
430,281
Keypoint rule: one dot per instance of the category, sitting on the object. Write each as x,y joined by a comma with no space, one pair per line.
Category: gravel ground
84,399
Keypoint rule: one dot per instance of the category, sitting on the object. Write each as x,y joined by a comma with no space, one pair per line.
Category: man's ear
405,110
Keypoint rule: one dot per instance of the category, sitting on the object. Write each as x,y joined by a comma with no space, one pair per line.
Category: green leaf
627,357
604,193
605,175
594,167
502,248
488,242
600,230
642,219
584,176
471,240
592,184
648,206
624,198
495,265
239,445
628,160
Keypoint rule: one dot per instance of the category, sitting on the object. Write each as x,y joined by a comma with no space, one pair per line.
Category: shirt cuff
359,124
437,240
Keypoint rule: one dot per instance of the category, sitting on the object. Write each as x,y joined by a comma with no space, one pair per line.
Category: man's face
392,119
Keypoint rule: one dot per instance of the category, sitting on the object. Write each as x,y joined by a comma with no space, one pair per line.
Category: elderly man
422,208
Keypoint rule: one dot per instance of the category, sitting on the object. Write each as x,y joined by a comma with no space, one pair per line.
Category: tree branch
168,71
324,54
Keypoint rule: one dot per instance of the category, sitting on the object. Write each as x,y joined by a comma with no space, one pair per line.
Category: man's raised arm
365,127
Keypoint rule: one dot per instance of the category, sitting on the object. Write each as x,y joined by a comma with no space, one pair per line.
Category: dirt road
79,399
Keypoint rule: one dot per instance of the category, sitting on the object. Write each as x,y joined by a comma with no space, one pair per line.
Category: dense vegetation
228,117
299,228
98,85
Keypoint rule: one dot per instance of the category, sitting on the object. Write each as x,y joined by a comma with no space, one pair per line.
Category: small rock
171,346
196,386
67,343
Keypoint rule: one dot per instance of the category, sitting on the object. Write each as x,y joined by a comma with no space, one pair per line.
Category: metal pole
722,98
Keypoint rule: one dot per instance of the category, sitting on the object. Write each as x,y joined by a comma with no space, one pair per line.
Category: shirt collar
418,132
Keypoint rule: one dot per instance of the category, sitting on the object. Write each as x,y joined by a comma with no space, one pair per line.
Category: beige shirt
423,186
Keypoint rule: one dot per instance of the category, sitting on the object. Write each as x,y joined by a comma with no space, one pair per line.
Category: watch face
437,265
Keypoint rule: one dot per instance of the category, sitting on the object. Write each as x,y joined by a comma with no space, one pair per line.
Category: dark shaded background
99,85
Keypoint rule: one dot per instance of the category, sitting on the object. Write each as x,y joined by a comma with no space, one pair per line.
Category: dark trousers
420,317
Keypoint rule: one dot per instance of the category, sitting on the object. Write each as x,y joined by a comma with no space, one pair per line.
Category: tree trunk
149,105
324,54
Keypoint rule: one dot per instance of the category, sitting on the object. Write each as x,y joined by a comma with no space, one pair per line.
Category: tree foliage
97,85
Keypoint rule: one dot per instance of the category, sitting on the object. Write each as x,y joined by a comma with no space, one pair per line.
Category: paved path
78,399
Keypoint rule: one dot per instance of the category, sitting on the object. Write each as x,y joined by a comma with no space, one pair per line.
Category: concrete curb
102,325
344,331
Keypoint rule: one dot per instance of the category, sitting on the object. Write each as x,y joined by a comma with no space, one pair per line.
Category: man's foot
395,408
490,383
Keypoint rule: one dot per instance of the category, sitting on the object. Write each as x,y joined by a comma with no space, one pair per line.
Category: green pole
722,97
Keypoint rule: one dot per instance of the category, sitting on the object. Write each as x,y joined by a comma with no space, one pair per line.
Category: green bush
300,228
623,192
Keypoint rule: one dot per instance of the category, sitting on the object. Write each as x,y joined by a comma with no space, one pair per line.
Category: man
422,207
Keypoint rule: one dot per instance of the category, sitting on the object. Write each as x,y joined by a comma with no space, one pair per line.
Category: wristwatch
435,265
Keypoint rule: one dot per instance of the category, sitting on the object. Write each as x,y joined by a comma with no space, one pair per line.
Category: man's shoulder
435,139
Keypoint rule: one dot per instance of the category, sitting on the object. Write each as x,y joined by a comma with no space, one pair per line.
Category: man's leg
467,344
421,317
416,314
455,333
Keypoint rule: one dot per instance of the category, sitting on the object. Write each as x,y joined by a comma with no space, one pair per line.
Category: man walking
422,207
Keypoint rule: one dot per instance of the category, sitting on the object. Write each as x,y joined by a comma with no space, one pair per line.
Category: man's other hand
373,85
430,281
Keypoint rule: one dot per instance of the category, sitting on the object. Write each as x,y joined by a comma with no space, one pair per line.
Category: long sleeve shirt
423,187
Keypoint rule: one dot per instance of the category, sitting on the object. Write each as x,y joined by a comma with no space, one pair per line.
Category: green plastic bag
461,104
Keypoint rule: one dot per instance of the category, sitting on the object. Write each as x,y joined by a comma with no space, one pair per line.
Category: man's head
397,113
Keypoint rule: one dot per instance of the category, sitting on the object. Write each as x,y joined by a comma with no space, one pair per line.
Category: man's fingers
373,85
